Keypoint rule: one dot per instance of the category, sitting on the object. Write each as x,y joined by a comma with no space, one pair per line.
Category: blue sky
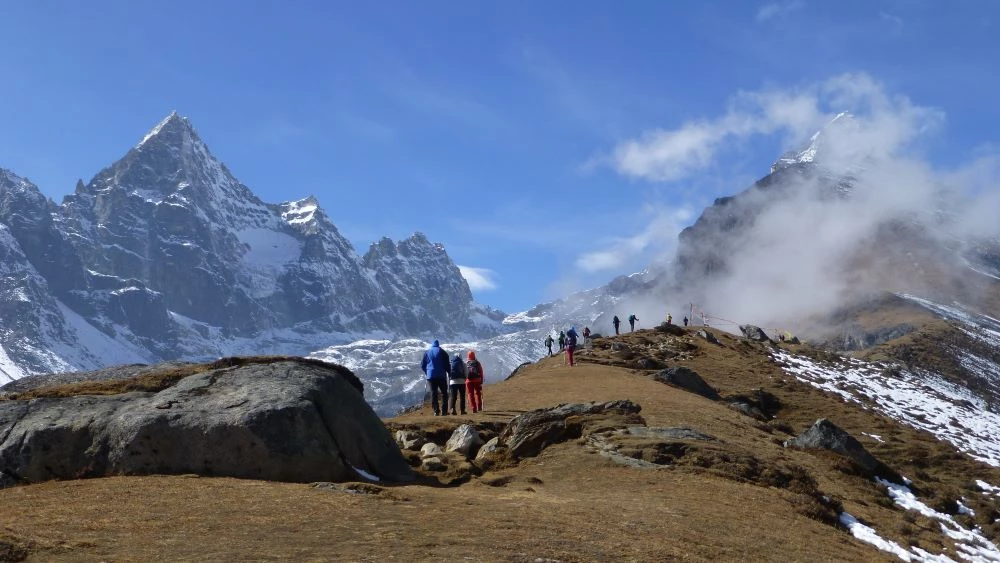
554,144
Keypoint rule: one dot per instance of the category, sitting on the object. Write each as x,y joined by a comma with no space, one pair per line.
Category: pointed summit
172,130
814,150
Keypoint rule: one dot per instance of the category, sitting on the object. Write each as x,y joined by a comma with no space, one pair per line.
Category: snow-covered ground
922,400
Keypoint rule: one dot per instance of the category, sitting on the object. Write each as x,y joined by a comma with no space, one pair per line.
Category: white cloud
479,279
659,237
669,155
771,10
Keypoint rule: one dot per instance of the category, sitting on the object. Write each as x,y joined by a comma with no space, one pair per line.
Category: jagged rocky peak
818,148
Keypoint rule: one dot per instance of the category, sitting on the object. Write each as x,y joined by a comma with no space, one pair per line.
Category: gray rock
708,336
754,333
433,464
619,347
688,380
648,363
668,433
408,440
529,433
825,435
464,440
430,449
299,421
491,446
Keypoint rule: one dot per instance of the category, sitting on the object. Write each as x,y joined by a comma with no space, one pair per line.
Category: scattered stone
529,433
410,440
708,336
758,404
288,420
430,449
433,464
688,380
648,363
754,333
825,435
619,347
667,433
465,440
490,447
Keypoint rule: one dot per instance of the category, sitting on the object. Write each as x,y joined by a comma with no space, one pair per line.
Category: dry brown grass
742,497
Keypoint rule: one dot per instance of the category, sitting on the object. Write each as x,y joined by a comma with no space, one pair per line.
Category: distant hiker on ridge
474,382
562,341
571,337
631,322
670,319
586,335
436,368
456,382
685,320
548,343
616,322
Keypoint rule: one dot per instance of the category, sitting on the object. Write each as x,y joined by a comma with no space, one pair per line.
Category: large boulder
529,433
279,419
754,333
708,336
464,440
688,380
825,435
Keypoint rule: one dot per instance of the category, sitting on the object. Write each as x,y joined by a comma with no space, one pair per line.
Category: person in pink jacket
474,382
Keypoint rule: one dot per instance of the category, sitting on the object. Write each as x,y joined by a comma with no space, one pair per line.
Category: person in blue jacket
436,367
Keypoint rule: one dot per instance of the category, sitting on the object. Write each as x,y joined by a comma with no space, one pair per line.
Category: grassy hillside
742,496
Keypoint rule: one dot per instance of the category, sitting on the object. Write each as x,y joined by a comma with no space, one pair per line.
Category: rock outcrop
529,433
688,380
277,419
825,435
754,333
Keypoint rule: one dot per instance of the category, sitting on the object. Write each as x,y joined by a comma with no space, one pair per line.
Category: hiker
670,319
436,367
548,343
456,382
616,322
474,382
562,341
586,335
631,322
685,320
570,344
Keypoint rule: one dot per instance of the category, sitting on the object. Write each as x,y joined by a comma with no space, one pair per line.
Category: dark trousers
457,389
550,349
438,386
616,330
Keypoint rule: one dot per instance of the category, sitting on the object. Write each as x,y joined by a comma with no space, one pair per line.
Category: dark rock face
688,380
757,404
286,421
754,333
825,435
529,433
708,336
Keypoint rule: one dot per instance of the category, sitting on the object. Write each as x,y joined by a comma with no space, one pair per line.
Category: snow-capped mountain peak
817,148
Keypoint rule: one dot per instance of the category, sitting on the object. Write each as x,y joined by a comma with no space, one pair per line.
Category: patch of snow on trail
921,400
868,534
971,545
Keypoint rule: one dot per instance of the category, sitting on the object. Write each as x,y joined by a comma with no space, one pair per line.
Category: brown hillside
741,497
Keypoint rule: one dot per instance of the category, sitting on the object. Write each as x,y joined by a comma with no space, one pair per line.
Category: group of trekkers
452,376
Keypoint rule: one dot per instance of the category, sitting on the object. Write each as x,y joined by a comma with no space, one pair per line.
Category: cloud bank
479,279
810,244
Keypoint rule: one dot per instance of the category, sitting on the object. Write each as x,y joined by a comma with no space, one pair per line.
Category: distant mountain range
165,255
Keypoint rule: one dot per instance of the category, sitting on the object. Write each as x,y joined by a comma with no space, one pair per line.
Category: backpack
571,338
631,318
473,370
548,340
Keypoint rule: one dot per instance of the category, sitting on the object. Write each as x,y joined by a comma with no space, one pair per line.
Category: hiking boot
463,413
453,413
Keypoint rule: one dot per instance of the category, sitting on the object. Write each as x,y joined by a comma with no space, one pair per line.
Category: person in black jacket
456,382
616,322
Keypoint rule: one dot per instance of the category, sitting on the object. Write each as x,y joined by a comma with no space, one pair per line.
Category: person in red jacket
474,382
